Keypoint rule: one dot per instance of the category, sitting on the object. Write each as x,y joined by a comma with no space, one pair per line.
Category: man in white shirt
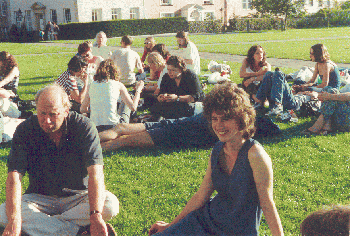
126,60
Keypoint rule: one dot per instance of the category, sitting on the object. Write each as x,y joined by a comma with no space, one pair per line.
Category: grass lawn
155,184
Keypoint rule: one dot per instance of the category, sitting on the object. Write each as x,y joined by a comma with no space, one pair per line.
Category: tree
279,7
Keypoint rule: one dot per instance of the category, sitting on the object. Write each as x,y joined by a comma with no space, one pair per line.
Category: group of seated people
239,169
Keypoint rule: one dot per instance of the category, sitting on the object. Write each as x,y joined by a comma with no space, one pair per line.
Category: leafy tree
279,7
345,5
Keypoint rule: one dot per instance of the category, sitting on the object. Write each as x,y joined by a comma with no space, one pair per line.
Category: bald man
57,149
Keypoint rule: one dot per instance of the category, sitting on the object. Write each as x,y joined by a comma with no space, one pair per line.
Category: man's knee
111,207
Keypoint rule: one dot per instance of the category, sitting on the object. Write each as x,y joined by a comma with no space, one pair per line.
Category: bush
116,28
208,26
241,24
14,33
345,5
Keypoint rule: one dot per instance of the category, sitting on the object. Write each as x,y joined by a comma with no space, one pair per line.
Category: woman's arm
9,77
261,165
262,72
324,96
131,103
197,201
85,106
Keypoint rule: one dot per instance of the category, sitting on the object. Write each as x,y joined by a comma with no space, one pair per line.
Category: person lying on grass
102,98
253,69
329,221
335,112
325,68
240,171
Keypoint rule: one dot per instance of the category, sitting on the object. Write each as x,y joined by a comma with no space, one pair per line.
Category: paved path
277,62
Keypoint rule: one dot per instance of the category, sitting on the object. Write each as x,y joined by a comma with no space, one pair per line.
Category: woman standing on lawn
189,52
325,68
253,70
240,171
102,97
9,75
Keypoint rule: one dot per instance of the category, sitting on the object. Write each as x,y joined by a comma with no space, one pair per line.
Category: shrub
208,26
14,34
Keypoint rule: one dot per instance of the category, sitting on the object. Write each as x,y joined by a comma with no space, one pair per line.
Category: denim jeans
275,88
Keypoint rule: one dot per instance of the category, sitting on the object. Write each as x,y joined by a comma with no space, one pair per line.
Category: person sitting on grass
335,112
9,75
157,65
329,221
149,44
127,60
239,170
68,81
189,52
179,89
325,68
253,69
102,98
100,46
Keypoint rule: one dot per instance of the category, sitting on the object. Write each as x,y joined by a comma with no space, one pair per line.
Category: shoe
277,110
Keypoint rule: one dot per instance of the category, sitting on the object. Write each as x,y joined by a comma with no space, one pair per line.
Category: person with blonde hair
239,169
100,46
102,97
158,68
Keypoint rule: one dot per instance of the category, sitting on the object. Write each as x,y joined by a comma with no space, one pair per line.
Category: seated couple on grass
275,88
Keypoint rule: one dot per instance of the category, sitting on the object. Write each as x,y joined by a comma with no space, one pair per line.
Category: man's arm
13,203
97,196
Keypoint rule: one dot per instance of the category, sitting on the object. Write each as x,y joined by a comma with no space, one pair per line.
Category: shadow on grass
37,82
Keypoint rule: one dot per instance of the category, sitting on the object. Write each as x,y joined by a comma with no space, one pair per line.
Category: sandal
308,132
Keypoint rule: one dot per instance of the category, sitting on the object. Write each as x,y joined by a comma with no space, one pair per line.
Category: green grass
155,184
29,48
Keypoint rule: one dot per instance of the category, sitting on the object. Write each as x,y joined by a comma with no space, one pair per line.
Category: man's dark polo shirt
50,168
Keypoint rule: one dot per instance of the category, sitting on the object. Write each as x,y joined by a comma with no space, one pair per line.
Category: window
246,4
208,2
166,2
28,15
209,15
116,13
311,3
134,13
3,8
166,14
53,15
320,3
67,16
328,3
96,14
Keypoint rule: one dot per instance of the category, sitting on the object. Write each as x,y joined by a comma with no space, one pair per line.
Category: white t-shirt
102,51
191,52
164,71
126,61
103,102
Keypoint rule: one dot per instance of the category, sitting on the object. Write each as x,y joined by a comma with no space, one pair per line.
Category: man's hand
98,225
13,228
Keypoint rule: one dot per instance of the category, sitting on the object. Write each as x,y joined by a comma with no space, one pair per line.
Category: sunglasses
147,42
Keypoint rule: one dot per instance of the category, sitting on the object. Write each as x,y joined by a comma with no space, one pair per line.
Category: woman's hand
248,82
262,72
158,227
6,93
161,97
171,98
139,86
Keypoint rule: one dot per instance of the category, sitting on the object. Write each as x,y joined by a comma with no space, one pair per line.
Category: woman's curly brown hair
107,70
320,53
9,62
250,56
234,103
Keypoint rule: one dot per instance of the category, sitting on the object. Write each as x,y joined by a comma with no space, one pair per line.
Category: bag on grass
265,127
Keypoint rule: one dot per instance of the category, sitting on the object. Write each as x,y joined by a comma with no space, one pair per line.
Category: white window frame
162,14
116,13
212,13
67,18
246,4
134,13
51,15
208,2
320,3
94,13
166,2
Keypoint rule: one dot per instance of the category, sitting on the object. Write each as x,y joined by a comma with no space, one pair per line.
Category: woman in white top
103,94
100,46
253,69
189,52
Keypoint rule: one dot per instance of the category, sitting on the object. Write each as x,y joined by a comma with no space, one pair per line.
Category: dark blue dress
235,210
